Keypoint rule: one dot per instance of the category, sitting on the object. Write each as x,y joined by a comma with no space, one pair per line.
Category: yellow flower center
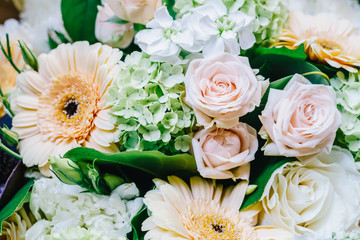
68,107
328,45
207,220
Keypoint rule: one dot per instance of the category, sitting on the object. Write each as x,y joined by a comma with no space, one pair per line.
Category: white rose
113,34
315,199
225,153
301,120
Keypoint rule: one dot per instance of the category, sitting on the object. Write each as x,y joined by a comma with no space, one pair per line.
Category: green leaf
79,18
273,67
22,196
138,27
261,175
153,162
284,51
136,222
116,19
170,6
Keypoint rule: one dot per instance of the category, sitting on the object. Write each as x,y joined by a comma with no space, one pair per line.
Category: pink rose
135,11
222,89
301,120
113,34
225,153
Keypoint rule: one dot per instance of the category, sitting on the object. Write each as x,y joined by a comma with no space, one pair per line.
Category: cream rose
115,35
301,120
222,89
315,199
225,153
135,11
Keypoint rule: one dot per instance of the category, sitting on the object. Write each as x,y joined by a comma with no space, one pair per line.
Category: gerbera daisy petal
25,119
326,39
28,101
61,106
30,82
199,216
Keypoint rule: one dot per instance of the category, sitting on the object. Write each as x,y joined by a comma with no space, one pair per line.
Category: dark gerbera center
218,228
70,108
328,45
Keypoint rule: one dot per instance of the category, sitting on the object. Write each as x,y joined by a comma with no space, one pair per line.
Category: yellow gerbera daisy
326,39
62,106
203,211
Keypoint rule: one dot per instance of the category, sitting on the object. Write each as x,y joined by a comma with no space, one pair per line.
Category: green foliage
55,38
261,171
94,168
79,19
284,51
116,19
21,197
136,222
275,66
170,6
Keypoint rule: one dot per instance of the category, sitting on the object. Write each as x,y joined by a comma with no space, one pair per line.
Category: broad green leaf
297,53
152,162
22,196
275,67
261,171
136,222
79,18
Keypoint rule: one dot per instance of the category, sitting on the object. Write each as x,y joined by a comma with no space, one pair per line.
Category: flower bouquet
179,119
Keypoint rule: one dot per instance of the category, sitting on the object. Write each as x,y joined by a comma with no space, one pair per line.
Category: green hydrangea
348,99
270,18
270,15
147,99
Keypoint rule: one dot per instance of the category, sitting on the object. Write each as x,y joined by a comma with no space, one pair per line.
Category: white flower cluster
63,210
211,29
40,16
353,235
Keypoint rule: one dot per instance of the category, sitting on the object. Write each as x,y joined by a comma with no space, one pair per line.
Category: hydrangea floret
347,96
210,29
68,212
147,99
270,16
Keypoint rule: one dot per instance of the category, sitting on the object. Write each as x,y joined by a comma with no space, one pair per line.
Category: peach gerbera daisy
326,39
62,106
203,211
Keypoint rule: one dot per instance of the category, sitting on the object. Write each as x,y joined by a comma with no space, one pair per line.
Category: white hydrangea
210,28
15,29
165,38
42,16
62,210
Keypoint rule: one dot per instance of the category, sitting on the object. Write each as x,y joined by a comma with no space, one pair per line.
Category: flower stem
6,103
8,150
8,53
